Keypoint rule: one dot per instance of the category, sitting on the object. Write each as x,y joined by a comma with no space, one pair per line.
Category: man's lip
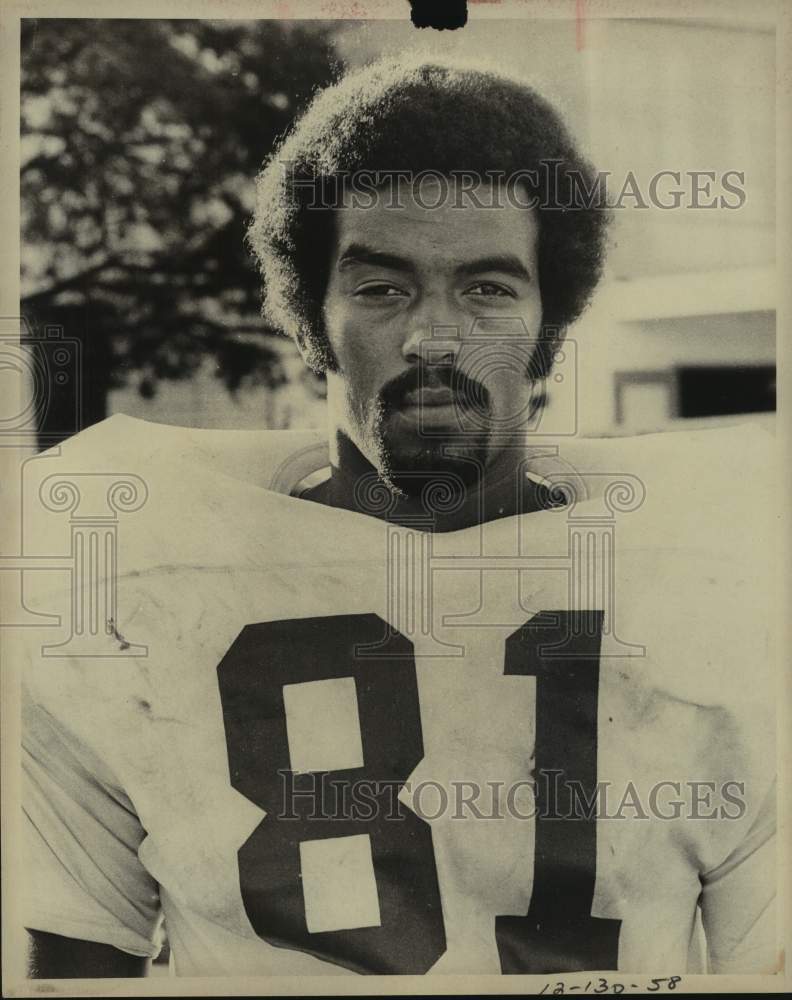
429,396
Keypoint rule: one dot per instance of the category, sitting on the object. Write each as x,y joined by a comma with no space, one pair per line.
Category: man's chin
409,468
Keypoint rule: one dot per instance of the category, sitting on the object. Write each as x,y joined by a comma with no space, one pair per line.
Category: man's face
433,315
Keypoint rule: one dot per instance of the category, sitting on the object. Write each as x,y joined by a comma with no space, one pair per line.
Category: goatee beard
407,470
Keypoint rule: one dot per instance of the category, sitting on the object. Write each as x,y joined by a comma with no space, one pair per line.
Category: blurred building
203,401
683,326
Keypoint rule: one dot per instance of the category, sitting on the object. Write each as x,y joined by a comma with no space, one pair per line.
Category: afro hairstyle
438,117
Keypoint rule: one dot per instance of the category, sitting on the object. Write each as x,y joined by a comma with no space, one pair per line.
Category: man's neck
431,501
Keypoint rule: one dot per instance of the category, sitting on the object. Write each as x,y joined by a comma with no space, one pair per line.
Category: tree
140,142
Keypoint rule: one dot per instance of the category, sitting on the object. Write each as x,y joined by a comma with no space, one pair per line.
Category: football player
431,693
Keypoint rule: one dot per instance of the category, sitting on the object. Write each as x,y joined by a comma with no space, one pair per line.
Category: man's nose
433,336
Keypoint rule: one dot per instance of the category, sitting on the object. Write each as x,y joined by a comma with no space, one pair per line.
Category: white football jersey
317,742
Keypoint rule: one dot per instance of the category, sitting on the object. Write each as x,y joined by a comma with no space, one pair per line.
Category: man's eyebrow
357,253
505,263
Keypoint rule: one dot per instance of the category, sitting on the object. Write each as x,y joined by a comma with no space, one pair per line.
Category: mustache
467,392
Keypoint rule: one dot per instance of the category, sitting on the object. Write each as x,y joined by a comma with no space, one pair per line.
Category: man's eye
488,289
379,289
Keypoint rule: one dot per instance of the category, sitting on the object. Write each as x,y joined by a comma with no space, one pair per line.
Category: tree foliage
140,142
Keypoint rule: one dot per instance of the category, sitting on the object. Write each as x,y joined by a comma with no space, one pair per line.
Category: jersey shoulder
269,459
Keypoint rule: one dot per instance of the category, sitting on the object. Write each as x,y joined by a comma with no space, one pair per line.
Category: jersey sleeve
738,901
83,877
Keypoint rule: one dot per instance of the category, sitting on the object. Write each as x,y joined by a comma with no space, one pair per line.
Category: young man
413,699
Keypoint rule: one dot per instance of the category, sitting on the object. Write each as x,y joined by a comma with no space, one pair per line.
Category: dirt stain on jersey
111,628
